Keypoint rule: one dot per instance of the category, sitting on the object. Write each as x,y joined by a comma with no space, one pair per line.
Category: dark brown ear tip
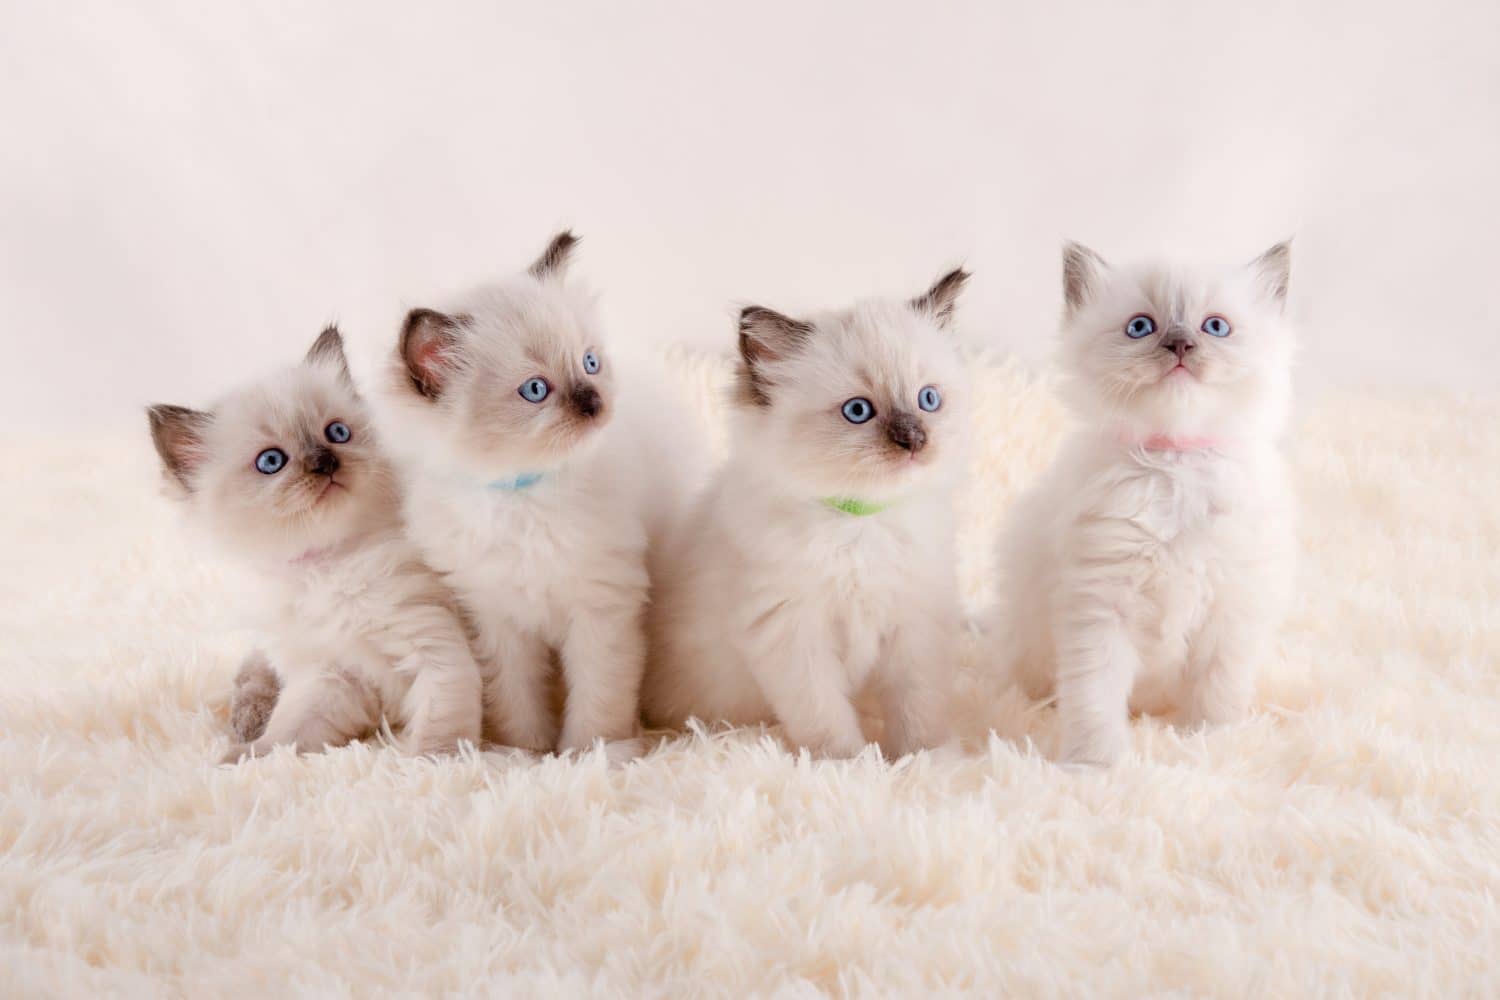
329,337
162,414
749,314
415,316
555,256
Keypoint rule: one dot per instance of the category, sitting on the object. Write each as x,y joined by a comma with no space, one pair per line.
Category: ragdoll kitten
287,477
535,486
1149,567
820,562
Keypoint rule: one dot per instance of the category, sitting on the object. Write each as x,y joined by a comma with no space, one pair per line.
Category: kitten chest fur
369,611
775,570
532,555
1161,538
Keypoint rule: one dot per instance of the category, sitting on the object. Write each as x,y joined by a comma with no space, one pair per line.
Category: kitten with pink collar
287,478
1149,568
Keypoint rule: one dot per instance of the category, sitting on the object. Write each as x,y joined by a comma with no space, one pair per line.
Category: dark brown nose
322,462
587,401
1178,343
906,431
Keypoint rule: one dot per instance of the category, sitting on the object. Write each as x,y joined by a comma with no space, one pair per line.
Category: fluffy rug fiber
1342,841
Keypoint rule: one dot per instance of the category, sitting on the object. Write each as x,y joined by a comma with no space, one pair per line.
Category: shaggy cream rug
1343,841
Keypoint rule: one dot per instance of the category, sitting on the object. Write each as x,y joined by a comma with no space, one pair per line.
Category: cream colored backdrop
187,191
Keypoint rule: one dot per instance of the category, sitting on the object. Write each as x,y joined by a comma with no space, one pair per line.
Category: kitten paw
1093,750
616,752
238,752
256,689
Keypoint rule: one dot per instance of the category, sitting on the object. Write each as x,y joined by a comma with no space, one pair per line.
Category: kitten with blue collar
820,562
287,477
538,475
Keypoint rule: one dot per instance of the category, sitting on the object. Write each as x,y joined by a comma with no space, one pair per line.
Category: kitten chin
819,563
539,489
287,475
1148,569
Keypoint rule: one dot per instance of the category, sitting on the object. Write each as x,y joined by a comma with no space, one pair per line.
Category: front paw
1200,713
241,751
829,749
1094,746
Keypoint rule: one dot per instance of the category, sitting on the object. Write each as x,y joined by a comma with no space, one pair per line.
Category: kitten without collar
1150,566
539,472
820,562
286,476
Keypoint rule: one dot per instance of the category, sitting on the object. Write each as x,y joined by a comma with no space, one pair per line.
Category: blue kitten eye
338,432
270,461
1140,326
534,390
1216,326
858,410
929,398
591,363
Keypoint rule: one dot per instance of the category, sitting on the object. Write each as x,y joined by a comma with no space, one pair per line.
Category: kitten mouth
328,489
1179,370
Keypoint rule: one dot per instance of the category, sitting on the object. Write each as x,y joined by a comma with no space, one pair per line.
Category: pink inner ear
429,355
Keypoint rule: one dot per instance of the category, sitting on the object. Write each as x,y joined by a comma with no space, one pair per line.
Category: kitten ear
939,300
765,336
1082,269
428,348
1273,271
328,350
177,433
554,260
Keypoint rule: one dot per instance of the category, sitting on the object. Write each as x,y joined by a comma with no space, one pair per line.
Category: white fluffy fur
1150,567
356,626
1341,841
774,607
555,574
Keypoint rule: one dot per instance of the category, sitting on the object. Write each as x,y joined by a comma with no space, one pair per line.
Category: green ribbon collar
859,508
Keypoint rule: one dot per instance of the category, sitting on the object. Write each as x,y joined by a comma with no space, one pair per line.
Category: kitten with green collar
820,561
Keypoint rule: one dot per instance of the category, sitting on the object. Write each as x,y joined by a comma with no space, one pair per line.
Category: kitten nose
587,401
906,431
322,462
1177,343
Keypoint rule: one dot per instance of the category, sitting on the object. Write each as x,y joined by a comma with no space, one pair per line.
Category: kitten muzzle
1177,342
906,432
586,400
322,463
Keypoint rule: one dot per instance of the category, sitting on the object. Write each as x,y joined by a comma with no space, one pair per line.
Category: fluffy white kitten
1149,568
820,562
287,477
536,493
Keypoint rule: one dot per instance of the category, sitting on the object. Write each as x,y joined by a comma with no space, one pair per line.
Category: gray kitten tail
256,688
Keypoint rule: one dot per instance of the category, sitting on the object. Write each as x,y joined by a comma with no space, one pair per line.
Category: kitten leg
316,711
603,659
917,687
517,701
255,689
446,702
1097,665
807,688
1220,680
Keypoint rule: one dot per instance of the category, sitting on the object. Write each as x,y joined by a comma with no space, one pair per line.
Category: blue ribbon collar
525,480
